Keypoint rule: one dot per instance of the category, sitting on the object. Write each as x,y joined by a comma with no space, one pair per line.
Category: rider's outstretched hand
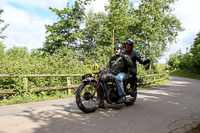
147,61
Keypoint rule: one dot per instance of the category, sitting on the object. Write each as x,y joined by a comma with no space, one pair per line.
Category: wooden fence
143,80
148,79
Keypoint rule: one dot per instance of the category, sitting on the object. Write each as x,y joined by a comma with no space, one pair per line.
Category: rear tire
86,97
133,94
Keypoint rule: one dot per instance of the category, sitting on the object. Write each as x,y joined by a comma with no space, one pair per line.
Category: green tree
17,52
174,60
195,52
65,32
155,27
152,26
2,28
2,46
92,31
186,61
190,60
117,22
106,29
103,30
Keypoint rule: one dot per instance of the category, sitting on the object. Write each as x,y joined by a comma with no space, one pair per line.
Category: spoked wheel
132,94
86,97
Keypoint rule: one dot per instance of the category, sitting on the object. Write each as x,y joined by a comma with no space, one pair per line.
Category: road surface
170,108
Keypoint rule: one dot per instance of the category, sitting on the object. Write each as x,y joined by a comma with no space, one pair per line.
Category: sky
27,20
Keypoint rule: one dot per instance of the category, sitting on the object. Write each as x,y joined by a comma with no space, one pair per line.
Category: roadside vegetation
185,74
186,65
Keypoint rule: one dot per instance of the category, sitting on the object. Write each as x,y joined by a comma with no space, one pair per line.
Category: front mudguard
88,78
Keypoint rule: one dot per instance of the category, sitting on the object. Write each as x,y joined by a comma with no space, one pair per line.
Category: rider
119,64
135,56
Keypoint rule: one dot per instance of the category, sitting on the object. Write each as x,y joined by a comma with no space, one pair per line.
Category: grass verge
185,74
33,97
158,83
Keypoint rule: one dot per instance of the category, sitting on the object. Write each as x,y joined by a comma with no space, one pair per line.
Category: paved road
170,108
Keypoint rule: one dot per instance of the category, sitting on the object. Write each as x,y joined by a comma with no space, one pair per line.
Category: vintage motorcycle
87,97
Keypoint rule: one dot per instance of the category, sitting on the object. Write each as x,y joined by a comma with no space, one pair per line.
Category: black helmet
118,46
129,42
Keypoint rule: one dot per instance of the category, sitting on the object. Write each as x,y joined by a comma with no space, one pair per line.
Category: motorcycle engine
112,96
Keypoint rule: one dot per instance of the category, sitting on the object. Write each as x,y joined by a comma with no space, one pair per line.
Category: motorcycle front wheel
86,97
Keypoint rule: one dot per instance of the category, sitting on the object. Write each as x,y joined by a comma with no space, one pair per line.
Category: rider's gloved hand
147,61
122,55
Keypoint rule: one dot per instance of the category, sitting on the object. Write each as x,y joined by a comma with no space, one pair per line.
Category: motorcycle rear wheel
133,94
86,97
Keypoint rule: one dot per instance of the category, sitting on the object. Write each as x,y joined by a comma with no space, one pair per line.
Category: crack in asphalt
190,124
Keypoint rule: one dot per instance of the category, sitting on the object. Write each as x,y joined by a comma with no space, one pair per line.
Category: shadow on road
68,118
172,89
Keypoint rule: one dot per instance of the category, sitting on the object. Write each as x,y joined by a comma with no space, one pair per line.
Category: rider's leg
119,82
133,80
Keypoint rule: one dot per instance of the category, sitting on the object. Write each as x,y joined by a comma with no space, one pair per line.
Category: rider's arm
139,58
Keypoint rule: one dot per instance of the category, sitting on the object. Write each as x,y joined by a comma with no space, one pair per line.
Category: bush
17,60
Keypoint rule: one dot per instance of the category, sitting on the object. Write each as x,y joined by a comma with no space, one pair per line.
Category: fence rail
38,75
152,78
143,80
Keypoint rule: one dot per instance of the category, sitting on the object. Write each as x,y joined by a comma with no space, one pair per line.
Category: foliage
195,52
155,27
2,46
116,22
18,60
92,32
185,73
174,60
2,28
190,60
152,25
66,31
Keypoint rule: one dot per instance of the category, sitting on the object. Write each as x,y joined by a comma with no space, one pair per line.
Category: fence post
25,87
68,84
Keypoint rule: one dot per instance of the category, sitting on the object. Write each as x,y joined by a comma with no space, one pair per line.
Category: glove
122,55
147,61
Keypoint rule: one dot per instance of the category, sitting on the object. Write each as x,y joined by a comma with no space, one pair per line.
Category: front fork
100,93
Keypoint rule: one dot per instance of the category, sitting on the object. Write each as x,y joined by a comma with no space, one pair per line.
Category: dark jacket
119,63
135,56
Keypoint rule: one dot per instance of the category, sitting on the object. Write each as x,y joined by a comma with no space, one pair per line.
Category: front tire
86,97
